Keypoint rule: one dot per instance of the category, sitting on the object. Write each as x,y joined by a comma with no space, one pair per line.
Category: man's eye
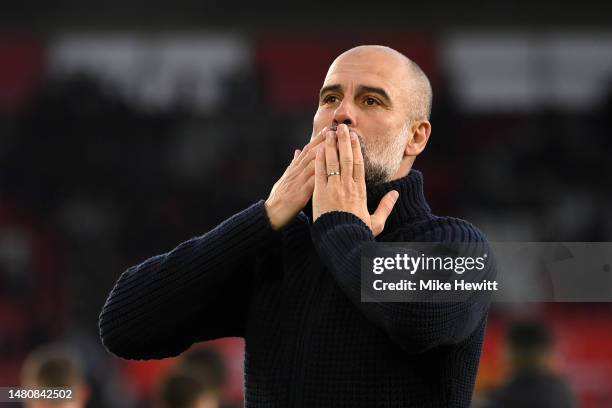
371,102
330,99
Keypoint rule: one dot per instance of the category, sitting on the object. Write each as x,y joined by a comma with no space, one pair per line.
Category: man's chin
375,177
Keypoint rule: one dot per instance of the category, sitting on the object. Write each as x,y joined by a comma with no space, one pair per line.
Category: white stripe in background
493,71
154,71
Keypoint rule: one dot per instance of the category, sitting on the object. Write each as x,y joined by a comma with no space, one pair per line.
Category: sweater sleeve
415,326
198,291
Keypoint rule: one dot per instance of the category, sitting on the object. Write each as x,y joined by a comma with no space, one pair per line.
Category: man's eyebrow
361,89
330,88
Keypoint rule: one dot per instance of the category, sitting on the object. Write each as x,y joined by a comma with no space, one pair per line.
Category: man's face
365,89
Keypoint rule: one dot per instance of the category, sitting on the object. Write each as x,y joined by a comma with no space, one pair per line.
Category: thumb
381,214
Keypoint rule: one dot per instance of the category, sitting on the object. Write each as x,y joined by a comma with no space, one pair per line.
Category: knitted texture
294,296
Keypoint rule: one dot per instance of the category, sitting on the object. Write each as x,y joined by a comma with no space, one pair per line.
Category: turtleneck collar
411,203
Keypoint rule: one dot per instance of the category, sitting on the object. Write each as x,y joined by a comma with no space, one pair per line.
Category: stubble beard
382,160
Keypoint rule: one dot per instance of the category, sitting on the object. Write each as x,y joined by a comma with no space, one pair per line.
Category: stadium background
126,128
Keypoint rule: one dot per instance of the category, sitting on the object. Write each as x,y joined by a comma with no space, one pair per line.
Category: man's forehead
387,73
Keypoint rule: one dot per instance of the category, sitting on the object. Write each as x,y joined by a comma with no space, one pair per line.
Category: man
186,389
54,367
208,366
288,281
533,381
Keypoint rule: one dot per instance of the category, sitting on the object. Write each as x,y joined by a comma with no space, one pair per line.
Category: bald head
405,75
385,99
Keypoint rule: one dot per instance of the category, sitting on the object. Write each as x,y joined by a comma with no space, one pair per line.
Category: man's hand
293,190
346,191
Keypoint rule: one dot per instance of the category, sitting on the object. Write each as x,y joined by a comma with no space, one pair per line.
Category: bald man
284,274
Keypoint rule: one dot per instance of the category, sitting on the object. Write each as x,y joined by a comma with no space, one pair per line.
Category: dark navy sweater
294,296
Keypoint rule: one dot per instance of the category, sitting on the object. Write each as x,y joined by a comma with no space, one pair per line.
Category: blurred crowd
91,184
195,381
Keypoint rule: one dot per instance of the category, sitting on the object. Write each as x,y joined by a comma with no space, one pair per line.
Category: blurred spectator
208,366
187,389
532,382
54,367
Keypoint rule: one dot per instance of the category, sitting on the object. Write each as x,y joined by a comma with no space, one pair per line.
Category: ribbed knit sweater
294,296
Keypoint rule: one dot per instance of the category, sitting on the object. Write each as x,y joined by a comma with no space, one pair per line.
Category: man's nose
344,114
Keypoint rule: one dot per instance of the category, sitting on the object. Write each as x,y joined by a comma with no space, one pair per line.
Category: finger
345,153
316,140
331,154
296,154
320,170
383,211
309,185
308,170
307,160
320,136
358,166
308,153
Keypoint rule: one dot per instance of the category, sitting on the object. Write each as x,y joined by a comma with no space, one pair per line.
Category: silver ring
333,173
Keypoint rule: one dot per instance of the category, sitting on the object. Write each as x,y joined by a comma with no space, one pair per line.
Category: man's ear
420,129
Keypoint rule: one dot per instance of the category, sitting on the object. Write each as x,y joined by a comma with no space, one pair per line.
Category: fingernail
353,137
395,195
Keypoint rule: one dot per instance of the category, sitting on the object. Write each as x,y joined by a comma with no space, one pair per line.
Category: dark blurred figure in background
55,367
187,389
532,382
208,366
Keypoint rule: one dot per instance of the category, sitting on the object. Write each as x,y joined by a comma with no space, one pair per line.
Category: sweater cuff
259,216
341,222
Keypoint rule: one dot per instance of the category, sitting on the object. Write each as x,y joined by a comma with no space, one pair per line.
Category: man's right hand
293,190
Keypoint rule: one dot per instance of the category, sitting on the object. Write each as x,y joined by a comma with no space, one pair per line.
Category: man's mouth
334,127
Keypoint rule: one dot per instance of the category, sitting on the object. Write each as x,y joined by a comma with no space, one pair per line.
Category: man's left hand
340,181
